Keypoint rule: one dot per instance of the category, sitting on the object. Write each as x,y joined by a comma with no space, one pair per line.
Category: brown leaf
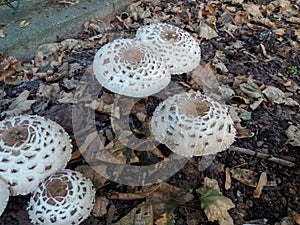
227,179
261,183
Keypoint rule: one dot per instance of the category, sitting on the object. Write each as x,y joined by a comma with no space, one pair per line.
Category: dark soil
268,122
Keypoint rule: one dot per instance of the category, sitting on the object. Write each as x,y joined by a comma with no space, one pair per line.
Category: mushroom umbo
4,196
64,198
192,124
176,47
31,148
128,67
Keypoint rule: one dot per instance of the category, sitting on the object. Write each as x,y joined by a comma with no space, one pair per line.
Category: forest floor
250,60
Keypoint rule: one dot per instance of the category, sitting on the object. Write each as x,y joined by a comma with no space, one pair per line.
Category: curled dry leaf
214,203
261,183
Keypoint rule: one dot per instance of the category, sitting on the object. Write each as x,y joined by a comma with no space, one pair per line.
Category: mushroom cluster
192,124
64,198
143,66
31,149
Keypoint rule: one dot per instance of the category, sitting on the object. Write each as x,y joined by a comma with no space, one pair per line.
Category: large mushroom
4,196
192,124
176,47
128,67
31,149
64,198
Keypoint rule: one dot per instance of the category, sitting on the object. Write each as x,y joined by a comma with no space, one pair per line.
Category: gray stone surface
49,22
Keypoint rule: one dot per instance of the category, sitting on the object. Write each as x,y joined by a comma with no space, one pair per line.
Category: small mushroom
31,148
4,196
192,124
64,198
177,47
128,67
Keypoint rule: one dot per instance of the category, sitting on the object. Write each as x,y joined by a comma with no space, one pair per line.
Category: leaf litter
247,50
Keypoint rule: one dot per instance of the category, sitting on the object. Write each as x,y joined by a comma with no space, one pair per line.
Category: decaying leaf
20,105
261,183
214,203
245,176
100,206
207,32
167,198
141,214
277,96
293,134
206,78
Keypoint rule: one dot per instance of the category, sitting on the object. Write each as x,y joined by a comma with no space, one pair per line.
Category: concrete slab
47,22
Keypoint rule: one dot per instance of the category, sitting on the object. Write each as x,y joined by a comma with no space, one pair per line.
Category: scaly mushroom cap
31,148
191,124
127,67
4,196
64,198
177,47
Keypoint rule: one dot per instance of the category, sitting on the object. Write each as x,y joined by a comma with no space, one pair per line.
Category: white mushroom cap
127,67
177,47
31,148
64,198
191,124
4,196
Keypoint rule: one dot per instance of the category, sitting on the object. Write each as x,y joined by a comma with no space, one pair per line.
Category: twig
262,156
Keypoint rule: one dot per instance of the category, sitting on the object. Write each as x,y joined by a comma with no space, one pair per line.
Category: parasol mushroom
176,47
31,148
192,124
64,198
128,67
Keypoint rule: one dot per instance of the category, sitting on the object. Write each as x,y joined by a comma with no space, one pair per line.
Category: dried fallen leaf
277,96
166,198
245,176
24,23
207,32
19,105
214,203
141,215
293,134
227,179
100,206
206,78
297,218
261,183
